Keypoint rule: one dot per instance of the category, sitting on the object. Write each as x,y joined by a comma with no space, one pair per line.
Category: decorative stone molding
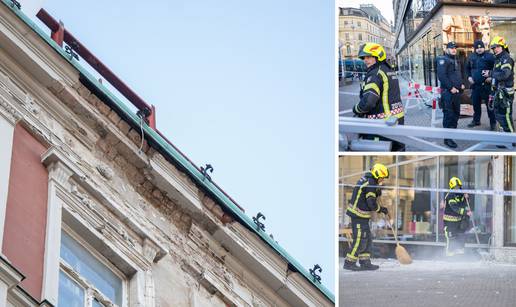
150,250
9,112
30,105
105,171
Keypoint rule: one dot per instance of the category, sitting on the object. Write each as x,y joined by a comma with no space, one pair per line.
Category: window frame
90,291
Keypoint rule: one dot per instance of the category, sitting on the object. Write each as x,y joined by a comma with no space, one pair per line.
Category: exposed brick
226,218
112,140
138,178
135,137
103,145
124,127
208,202
148,185
176,216
120,161
111,153
217,210
103,108
146,146
186,218
113,117
83,91
157,194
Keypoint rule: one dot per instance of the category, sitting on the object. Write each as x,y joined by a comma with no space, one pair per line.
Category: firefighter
477,62
380,92
456,218
363,202
451,86
503,83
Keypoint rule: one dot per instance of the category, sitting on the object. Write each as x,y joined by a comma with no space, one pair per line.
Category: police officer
380,92
477,62
363,202
456,215
503,83
451,87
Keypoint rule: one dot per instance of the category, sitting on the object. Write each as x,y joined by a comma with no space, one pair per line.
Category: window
359,24
348,49
86,276
347,36
345,22
360,36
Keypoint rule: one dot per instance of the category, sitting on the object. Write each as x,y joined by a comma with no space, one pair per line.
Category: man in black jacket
363,202
451,85
477,62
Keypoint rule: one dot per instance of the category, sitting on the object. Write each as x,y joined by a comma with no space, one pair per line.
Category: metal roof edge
174,154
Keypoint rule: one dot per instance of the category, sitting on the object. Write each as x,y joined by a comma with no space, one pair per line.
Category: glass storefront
417,60
415,190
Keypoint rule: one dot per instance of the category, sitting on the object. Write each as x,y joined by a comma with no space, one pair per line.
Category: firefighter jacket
363,199
503,71
380,94
456,207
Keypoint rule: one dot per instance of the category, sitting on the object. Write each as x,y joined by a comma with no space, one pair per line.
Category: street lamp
353,39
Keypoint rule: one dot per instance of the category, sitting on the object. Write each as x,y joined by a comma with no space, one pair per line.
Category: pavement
414,115
427,283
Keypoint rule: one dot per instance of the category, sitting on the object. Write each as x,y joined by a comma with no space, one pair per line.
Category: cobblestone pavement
348,97
427,283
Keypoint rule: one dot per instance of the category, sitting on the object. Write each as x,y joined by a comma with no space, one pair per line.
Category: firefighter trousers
362,241
503,115
455,237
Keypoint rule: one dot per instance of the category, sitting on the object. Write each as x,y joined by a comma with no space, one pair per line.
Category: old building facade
360,25
92,214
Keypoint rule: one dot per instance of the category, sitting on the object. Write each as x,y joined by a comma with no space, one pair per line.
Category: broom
483,254
401,253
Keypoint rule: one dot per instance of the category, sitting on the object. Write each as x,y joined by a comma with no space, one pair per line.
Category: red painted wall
25,222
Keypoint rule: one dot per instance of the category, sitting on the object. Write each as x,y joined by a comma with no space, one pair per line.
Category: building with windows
98,208
360,25
424,27
413,194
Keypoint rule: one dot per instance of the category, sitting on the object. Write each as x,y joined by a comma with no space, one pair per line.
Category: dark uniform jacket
456,207
363,199
476,63
503,70
448,72
380,95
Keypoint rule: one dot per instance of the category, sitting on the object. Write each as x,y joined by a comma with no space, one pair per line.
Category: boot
350,265
493,126
367,265
450,143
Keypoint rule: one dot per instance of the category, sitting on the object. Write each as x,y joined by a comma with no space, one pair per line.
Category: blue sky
246,86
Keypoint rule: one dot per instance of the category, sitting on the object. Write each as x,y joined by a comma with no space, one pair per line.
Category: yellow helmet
380,171
498,41
372,49
454,181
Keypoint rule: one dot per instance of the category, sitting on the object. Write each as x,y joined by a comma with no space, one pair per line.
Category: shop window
86,276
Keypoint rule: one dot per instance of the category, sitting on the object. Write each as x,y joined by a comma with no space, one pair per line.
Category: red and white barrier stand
437,113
